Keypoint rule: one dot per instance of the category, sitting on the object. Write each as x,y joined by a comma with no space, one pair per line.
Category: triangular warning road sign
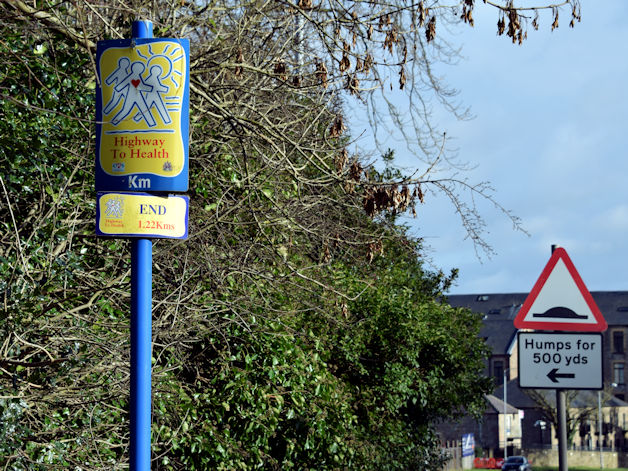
560,300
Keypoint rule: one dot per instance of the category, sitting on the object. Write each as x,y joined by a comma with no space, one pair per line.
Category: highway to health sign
142,115
549,360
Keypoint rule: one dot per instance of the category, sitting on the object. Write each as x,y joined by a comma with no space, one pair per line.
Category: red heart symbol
135,82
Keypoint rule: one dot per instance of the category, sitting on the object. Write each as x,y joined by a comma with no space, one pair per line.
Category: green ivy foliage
269,401
51,356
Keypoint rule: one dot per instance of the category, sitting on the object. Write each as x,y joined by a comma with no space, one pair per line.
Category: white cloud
614,219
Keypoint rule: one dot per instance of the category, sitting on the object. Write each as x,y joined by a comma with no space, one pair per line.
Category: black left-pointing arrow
554,375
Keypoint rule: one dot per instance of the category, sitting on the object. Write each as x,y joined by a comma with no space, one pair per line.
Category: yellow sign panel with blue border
142,215
142,115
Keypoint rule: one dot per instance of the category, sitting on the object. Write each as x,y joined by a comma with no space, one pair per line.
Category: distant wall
591,459
539,457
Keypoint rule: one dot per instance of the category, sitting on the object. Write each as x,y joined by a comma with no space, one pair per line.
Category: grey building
499,311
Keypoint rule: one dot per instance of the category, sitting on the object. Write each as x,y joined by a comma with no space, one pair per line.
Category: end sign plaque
142,215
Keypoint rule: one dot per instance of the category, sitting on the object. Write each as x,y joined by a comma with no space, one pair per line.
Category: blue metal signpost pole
141,331
141,335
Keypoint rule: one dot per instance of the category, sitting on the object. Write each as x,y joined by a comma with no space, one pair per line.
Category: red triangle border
560,254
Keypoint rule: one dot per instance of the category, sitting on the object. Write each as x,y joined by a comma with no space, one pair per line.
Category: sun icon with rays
171,62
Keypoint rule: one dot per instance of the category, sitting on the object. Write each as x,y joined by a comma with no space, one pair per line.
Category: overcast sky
551,134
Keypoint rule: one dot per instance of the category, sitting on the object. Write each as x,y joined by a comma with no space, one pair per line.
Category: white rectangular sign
560,360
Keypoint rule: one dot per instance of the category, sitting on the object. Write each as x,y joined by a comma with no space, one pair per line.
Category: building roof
515,395
614,306
588,398
495,306
499,335
500,310
496,405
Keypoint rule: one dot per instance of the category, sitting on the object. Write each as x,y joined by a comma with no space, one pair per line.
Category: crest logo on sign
560,300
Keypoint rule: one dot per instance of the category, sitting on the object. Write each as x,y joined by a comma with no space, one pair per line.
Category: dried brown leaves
337,127
512,20
389,198
305,4
341,160
430,30
239,59
281,70
467,12
321,74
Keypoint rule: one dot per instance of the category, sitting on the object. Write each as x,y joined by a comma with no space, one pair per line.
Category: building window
618,373
618,341
498,370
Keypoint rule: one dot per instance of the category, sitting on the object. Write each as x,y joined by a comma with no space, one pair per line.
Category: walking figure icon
153,97
116,77
130,89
